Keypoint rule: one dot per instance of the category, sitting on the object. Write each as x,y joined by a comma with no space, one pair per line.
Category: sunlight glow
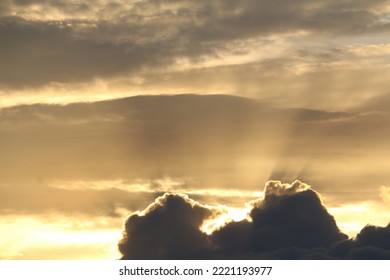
351,218
35,237
231,215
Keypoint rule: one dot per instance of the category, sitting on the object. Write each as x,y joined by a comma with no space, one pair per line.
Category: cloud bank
57,51
290,222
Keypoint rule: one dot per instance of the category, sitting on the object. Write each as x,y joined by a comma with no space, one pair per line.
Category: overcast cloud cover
303,53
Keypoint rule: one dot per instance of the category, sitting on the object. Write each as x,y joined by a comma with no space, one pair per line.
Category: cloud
289,223
40,198
39,53
289,216
61,51
4,8
224,19
167,229
277,189
214,141
371,243
374,236
58,41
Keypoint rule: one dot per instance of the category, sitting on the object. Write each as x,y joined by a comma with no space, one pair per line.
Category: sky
114,115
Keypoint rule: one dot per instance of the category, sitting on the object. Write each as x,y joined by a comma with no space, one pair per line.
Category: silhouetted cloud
372,242
290,222
288,216
296,215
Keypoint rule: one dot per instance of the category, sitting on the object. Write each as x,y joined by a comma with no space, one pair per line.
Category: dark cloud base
289,223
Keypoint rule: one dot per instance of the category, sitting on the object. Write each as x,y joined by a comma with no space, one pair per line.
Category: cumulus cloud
289,216
372,242
168,229
276,188
289,223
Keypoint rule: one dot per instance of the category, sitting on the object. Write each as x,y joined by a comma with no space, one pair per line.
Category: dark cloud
230,20
168,229
374,236
4,8
234,238
289,223
37,53
372,242
296,215
288,216
226,20
114,39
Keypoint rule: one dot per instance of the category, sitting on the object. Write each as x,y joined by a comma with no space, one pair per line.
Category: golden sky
208,98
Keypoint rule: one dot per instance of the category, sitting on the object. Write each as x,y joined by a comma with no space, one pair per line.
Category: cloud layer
290,222
248,48
209,142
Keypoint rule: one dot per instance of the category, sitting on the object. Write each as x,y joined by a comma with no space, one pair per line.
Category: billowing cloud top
294,224
276,188
168,229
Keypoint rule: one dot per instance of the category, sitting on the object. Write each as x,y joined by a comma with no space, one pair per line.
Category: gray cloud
4,8
36,53
113,39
